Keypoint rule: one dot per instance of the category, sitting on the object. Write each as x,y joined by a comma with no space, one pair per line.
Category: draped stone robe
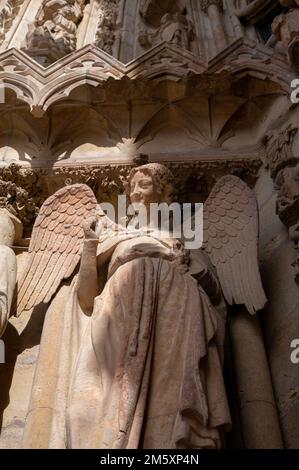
144,371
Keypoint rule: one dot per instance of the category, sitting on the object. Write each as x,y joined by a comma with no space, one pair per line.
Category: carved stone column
284,168
259,416
213,9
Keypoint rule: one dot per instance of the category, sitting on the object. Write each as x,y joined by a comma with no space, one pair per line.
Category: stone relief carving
205,4
107,25
124,267
214,8
278,144
7,15
284,167
54,33
287,186
286,29
174,27
26,189
15,198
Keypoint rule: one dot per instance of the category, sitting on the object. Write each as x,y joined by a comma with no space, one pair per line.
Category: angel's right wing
56,244
231,240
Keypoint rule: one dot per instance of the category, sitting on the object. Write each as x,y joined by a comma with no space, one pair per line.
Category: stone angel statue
132,348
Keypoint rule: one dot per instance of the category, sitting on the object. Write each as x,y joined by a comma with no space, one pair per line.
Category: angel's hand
89,227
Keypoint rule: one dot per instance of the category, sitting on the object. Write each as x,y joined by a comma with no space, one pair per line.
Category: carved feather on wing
56,244
231,241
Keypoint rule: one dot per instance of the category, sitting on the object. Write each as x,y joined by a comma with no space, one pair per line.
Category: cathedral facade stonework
187,101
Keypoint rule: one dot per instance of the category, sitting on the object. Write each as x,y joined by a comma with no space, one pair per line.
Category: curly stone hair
162,178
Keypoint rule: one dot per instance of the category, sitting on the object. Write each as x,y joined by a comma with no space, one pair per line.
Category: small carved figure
174,28
55,28
8,13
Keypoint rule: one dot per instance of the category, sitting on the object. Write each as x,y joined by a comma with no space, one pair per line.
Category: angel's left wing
231,241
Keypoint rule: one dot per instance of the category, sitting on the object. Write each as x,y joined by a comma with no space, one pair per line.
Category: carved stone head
150,183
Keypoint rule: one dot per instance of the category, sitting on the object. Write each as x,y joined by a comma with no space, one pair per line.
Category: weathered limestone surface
93,88
280,320
21,347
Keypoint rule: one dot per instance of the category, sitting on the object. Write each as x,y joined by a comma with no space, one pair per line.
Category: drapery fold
144,371
149,374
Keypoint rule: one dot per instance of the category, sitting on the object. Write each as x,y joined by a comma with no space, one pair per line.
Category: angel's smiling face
143,190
